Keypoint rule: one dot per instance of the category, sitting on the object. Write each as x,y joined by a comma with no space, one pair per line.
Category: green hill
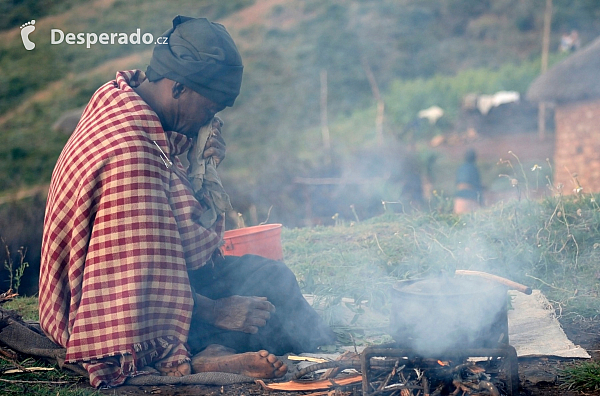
285,45
421,52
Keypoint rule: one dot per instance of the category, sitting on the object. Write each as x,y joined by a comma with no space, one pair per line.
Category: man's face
191,111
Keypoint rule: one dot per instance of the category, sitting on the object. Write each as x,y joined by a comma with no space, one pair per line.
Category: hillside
420,53
285,45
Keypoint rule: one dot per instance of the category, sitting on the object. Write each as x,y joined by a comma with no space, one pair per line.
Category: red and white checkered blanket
120,232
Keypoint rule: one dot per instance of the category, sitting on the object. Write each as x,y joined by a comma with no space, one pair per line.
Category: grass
584,377
26,306
550,244
40,383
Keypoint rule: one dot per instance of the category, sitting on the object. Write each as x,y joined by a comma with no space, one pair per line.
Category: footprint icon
26,29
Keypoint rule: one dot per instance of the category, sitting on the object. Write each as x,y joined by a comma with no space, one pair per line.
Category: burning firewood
334,371
432,377
389,371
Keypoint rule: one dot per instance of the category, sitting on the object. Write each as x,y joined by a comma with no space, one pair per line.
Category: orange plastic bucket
262,240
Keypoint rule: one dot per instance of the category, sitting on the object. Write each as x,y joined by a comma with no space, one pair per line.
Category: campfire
391,371
451,338
482,371
388,370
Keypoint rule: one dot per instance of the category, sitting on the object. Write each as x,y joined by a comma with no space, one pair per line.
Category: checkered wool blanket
121,231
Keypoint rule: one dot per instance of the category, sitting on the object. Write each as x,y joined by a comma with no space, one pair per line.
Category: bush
406,98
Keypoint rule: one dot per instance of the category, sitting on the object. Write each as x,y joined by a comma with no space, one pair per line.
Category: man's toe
281,371
272,358
185,369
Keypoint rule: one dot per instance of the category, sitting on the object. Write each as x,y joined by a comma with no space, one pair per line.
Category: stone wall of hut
577,148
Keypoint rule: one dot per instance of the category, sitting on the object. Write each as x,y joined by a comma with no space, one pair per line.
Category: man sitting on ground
131,273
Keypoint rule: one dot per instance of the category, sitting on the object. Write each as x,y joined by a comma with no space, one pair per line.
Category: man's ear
178,89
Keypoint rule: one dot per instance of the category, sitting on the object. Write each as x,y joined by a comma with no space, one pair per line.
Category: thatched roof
575,78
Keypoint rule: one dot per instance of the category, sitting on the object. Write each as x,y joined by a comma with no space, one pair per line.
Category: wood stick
334,371
496,278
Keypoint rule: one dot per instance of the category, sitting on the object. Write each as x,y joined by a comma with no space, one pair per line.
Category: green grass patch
26,306
549,244
40,383
584,377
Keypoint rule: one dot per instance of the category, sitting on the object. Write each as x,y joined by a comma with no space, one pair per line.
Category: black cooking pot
444,313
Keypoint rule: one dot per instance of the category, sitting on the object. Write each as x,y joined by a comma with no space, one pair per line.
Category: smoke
361,263
440,314
438,311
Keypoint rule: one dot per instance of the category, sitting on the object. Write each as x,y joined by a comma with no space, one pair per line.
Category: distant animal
486,102
432,114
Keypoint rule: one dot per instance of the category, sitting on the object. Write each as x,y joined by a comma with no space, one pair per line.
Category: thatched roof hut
574,86
576,78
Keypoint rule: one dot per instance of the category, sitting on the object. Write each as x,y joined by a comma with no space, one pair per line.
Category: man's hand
240,313
215,145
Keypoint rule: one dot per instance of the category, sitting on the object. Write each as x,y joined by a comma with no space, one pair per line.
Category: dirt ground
537,376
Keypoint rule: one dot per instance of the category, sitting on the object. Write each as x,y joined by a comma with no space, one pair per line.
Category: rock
537,375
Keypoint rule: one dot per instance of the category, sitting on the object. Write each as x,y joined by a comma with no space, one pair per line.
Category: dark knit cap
200,55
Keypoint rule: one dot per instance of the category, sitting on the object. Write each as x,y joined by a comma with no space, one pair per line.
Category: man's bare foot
178,371
261,364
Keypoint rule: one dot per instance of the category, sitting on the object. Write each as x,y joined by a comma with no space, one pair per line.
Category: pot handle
496,278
